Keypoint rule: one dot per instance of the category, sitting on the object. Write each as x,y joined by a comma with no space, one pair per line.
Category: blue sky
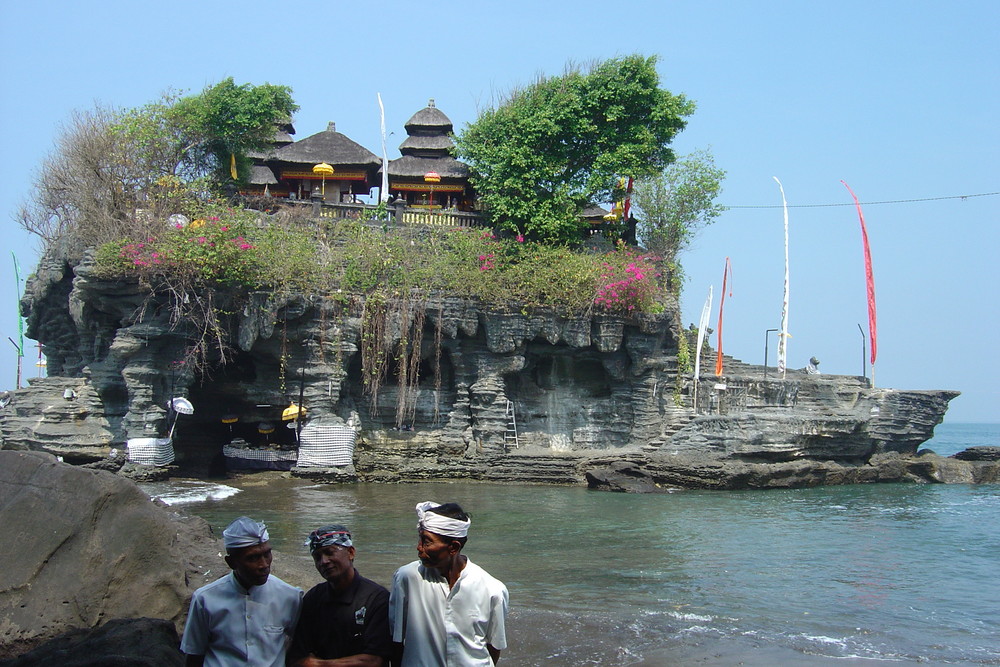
900,99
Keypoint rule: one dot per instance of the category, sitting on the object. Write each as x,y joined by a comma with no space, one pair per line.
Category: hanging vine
283,361
438,330
322,329
198,314
411,321
404,341
374,352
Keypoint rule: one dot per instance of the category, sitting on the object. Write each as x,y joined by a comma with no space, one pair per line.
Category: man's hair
452,511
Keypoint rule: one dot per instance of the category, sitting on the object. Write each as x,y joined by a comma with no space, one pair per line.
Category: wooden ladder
510,435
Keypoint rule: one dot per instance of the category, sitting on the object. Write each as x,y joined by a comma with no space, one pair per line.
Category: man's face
252,565
334,562
435,550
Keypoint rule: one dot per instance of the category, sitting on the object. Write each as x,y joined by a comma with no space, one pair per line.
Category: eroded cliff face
575,391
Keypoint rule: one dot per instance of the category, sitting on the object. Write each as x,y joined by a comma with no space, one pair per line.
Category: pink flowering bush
225,248
628,282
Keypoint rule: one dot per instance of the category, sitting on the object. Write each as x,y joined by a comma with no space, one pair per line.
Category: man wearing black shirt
344,621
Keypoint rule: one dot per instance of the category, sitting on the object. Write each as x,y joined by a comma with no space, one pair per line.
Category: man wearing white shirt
444,609
248,616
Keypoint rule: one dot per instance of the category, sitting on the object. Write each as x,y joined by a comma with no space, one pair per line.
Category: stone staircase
669,430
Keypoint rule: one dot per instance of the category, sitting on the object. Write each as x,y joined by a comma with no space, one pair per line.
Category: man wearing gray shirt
248,616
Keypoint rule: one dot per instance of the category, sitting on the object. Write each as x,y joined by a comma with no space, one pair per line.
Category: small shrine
427,176
290,168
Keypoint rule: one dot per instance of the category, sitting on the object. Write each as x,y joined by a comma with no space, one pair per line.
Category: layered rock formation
491,395
86,547
90,547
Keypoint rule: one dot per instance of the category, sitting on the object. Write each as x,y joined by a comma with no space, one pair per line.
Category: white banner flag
783,336
702,332
384,190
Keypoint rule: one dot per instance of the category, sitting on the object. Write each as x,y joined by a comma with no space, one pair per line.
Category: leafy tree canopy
673,205
202,132
114,171
550,149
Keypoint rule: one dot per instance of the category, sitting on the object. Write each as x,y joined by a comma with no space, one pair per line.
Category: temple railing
399,215
445,218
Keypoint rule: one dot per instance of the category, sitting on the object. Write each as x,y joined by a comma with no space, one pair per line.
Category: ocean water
852,575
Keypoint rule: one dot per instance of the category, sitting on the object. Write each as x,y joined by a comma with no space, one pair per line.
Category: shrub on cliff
244,250
224,246
117,172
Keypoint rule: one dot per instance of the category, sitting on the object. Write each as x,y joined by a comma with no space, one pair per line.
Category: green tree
548,150
115,172
673,205
227,120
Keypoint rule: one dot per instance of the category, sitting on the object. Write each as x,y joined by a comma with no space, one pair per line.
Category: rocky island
494,395
461,328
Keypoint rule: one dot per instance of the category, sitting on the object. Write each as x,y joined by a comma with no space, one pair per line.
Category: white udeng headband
442,525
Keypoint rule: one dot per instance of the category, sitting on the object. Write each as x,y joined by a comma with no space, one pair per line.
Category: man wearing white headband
444,609
248,616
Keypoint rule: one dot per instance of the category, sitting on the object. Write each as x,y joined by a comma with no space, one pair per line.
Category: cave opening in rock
235,404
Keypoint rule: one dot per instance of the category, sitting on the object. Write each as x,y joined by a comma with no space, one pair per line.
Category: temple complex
426,176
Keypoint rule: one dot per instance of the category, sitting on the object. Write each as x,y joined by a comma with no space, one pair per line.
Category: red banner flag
869,277
726,273
628,201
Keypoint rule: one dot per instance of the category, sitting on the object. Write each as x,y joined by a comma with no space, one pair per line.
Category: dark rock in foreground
141,642
88,546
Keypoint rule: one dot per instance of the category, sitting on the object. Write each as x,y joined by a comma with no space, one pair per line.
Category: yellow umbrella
431,177
324,170
292,412
229,420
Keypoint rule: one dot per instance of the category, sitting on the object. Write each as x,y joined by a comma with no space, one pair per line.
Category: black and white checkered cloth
326,445
257,454
151,451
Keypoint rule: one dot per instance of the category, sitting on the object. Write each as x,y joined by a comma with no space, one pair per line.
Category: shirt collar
346,595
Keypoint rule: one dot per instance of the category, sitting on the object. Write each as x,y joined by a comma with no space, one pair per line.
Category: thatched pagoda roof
438,144
327,146
412,166
429,120
282,137
594,212
261,175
